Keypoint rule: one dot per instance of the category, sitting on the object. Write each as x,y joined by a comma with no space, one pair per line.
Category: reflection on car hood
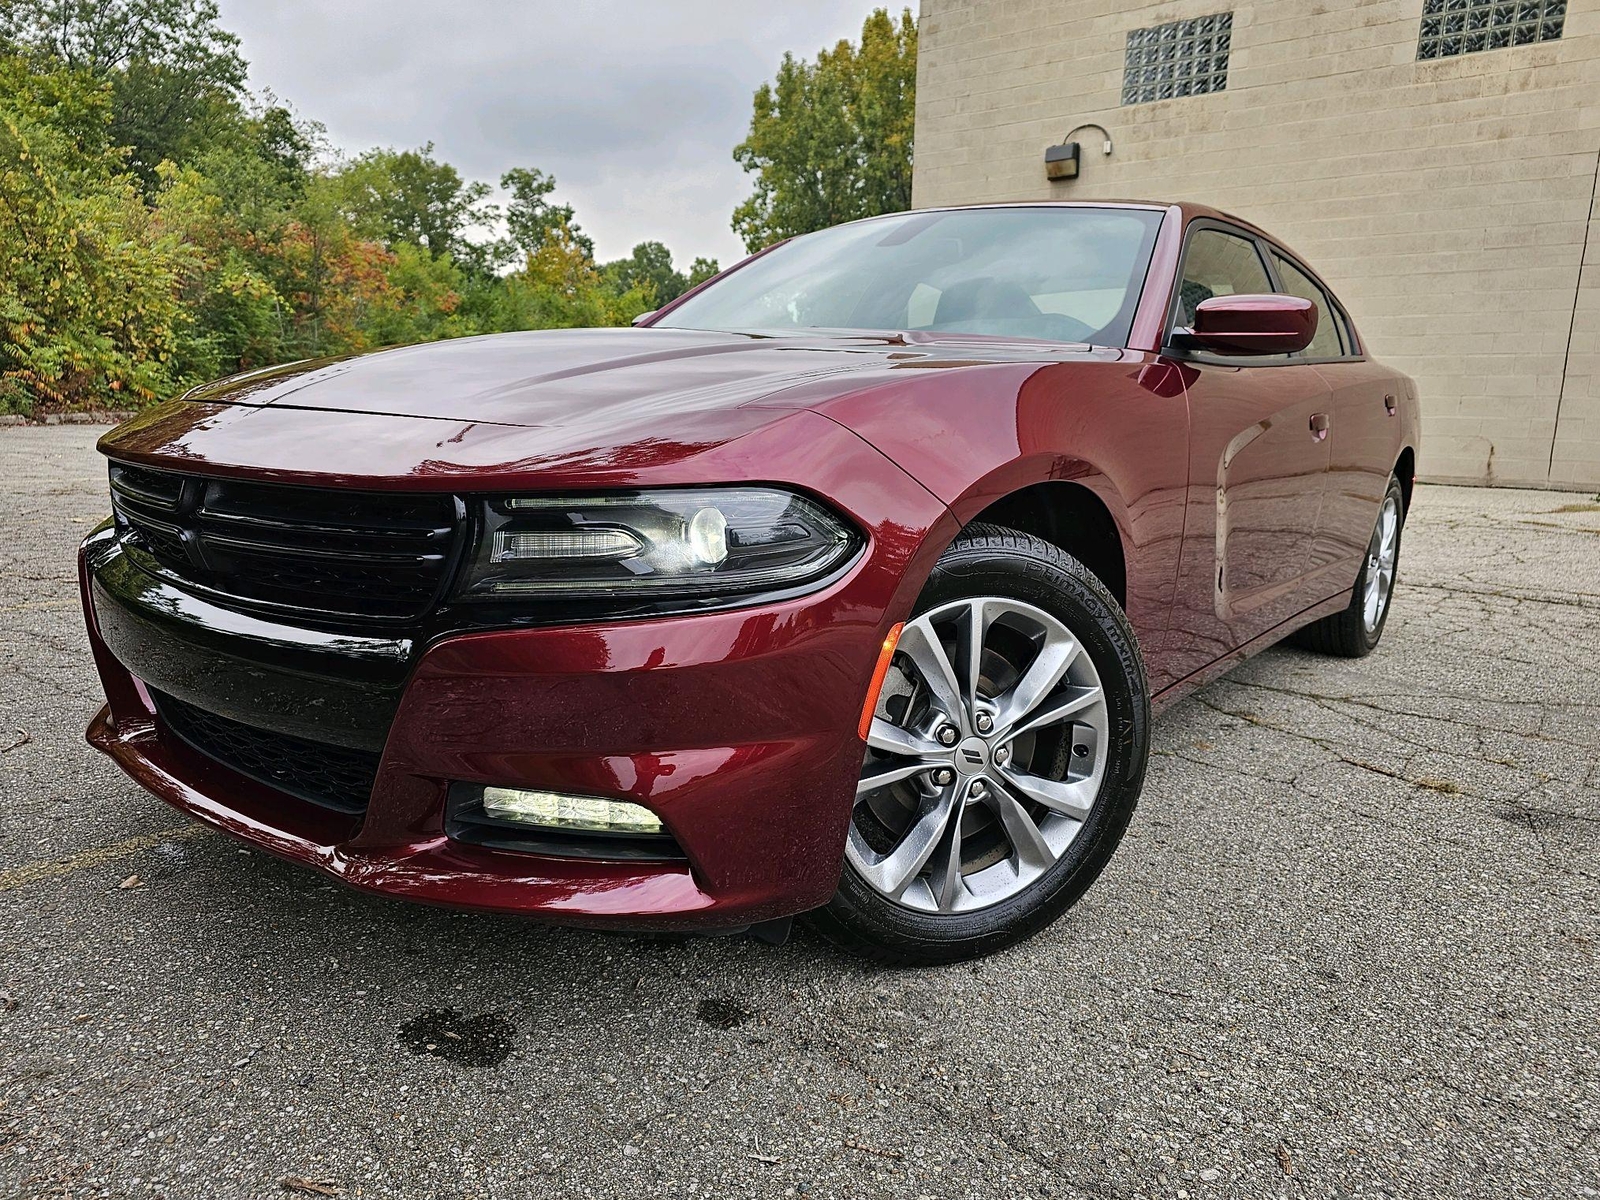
574,408
598,377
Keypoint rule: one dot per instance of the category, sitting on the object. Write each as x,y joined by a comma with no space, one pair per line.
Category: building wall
1448,202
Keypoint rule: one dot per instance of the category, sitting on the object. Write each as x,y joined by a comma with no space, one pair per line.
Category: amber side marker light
879,674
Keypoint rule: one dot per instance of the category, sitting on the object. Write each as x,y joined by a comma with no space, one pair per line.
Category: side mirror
645,316
1250,325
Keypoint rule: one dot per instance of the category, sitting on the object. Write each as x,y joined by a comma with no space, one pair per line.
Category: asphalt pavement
1349,948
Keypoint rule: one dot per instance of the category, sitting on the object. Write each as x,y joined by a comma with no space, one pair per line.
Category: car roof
1191,209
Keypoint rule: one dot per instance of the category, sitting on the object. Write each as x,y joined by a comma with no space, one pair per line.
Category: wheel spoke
1052,662
1071,702
894,872
944,867
922,648
884,773
970,632
1026,841
891,739
1071,798
1390,527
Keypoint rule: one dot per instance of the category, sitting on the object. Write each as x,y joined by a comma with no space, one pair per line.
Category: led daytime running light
558,810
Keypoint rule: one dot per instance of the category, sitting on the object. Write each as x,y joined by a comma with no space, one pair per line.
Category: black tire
988,560
1345,633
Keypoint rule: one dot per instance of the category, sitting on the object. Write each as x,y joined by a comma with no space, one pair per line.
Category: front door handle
1319,426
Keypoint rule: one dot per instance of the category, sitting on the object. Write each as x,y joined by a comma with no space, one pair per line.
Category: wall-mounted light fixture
1063,161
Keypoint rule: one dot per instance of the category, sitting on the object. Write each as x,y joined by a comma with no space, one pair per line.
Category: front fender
1115,422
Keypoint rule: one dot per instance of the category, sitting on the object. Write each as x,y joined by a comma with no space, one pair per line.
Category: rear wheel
1004,759
1355,631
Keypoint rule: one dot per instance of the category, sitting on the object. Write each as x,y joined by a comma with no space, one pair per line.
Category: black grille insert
331,776
364,555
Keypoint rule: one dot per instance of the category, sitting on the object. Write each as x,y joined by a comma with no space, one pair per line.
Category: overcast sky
634,105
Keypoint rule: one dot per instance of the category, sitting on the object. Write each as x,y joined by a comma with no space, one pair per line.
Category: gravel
1349,948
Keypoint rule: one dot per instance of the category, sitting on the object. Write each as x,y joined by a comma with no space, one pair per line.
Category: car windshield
1060,274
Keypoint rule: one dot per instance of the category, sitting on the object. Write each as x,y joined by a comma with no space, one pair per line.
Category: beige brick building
1440,175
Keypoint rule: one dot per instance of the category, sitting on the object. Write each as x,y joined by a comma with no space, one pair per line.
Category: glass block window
1451,27
1181,58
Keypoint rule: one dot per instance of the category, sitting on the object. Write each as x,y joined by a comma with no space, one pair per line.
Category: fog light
557,810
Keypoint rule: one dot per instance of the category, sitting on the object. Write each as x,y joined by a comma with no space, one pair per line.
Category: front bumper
737,728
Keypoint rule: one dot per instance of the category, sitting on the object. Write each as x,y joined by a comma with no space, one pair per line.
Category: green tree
409,196
830,141
530,216
176,76
259,170
159,227
648,268
89,296
561,288
701,270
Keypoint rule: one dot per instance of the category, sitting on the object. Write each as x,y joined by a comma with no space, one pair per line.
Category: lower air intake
331,776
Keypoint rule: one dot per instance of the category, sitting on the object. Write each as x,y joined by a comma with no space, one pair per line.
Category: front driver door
1258,460
1365,442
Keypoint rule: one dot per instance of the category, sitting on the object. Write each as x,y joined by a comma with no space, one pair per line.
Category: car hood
588,403
554,377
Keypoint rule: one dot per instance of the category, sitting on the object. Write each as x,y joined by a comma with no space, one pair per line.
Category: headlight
672,542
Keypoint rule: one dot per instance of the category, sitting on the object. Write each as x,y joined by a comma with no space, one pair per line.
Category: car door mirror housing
1266,324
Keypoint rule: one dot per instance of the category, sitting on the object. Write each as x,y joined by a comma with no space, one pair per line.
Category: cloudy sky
634,105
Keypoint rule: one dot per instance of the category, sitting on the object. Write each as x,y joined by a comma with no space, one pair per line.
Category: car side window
1219,264
1329,341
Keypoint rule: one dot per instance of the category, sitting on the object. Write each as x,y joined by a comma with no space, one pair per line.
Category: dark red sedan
844,585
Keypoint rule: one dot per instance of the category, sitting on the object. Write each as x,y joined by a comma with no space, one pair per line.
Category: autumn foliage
158,228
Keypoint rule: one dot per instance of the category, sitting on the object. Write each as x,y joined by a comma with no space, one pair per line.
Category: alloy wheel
1381,554
985,757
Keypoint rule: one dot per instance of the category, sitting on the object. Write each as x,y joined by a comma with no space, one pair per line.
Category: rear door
1258,460
1365,432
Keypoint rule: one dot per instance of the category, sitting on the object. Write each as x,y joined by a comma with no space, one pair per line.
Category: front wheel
1004,759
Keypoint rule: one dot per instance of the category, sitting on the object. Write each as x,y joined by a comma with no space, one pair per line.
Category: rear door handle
1319,426
1388,402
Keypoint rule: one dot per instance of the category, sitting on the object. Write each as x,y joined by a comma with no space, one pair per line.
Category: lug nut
985,723
1003,755
944,777
948,735
978,790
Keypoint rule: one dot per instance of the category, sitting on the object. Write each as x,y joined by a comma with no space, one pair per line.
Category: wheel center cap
972,756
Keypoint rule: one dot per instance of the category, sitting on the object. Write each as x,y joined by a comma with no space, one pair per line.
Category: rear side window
1329,342
1219,264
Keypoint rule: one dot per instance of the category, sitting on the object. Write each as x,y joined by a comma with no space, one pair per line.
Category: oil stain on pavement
482,1041
723,1012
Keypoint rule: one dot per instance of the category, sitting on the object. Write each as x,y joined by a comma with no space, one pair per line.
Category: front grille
343,553
331,776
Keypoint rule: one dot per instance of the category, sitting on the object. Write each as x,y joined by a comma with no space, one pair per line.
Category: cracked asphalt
1350,948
